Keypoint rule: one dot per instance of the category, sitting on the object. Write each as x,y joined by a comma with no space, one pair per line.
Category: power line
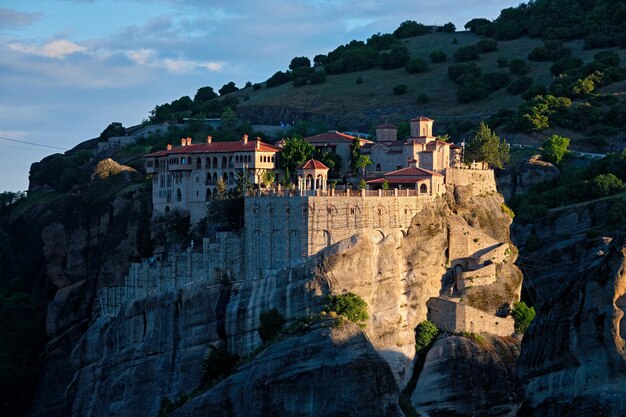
32,143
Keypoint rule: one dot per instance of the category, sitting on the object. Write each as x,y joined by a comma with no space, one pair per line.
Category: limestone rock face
573,360
464,378
327,372
520,178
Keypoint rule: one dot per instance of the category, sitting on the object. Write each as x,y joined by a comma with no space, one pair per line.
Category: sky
68,68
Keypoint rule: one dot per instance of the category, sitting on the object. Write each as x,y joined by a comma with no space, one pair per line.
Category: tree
299,62
349,305
271,323
277,79
229,120
400,89
487,147
9,198
416,65
362,184
267,179
448,28
295,152
555,148
410,28
466,53
228,88
606,184
396,58
438,56
221,188
204,94
362,162
517,66
487,45
480,26
317,77
425,334
523,316
385,185
113,129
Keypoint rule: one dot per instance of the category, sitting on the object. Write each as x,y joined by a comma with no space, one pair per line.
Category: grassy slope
341,95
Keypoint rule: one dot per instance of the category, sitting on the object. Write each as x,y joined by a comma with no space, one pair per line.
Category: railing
338,193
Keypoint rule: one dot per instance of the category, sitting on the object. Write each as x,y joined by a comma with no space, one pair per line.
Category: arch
167,209
224,162
380,216
309,182
231,178
179,195
214,178
207,163
207,196
214,162
230,162
328,240
319,181
378,167
225,177
423,189
198,163
353,215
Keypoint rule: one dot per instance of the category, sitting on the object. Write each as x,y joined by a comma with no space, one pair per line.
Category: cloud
58,48
11,19
141,56
180,66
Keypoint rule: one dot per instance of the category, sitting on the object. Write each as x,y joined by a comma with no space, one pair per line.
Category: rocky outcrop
313,374
465,377
521,177
572,359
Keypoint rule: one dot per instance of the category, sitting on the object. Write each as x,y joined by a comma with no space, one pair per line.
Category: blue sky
70,67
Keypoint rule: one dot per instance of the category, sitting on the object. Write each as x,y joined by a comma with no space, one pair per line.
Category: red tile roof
396,180
333,137
237,146
421,119
312,164
413,172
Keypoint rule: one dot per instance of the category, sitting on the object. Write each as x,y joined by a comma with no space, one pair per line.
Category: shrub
458,72
318,77
496,80
359,80
565,65
448,28
271,323
256,87
416,65
228,88
467,53
277,79
298,62
520,85
423,99
517,66
397,58
534,91
410,28
382,41
555,148
502,62
400,89
507,210
473,90
608,58
540,53
523,316
349,305
487,45
438,56
362,184
218,364
606,184
425,334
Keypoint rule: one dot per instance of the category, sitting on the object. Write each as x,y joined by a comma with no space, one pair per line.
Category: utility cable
33,143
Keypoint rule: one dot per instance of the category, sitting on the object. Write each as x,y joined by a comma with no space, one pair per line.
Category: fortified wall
455,317
483,180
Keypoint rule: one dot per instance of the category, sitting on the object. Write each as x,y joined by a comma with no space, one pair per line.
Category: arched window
179,195
207,163
423,189
231,178
214,178
198,163
215,162
377,167
224,162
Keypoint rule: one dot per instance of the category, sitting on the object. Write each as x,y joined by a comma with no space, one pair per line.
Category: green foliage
267,179
330,159
226,212
474,336
349,305
472,90
295,152
228,88
317,77
448,28
113,129
480,26
217,365
523,316
359,80
256,87
496,80
606,184
507,210
486,146
416,65
396,58
487,45
438,56
299,62
517,66
555,148
502,62
538,113
271,324
362,162
362,184
204,94
22,325
425,335
617,213
385,185
459,73
410,28
9,199
277,79
608,58
423,99
400,89
467,53
355,56
382,41
565,65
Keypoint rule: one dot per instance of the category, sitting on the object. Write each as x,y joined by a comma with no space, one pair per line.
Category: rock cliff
520,177
572,359
314,374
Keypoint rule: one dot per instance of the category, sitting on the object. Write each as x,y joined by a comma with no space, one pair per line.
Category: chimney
413,163
188,141
258,143
209,139
183,142
244,138
169,146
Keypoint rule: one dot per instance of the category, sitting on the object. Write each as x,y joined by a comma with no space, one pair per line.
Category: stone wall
482,276
455,317
483,180
281,232
218,260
